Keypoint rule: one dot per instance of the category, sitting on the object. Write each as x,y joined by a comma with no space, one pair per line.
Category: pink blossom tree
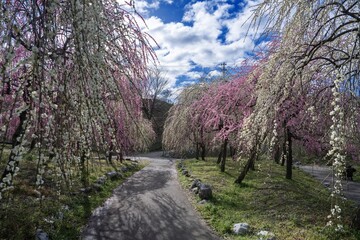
61,62
222,110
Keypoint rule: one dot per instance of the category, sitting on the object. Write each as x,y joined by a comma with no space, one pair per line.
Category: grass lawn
291,209
61,216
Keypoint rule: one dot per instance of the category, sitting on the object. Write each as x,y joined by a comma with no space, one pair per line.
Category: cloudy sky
194,37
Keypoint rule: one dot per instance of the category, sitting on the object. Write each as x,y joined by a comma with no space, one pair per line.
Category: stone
195,190
131,166
202,202
196,183
266,235
101,180
113,175
124,169
97,187
180,165
185,173
85,190
205,191
241,228
41,235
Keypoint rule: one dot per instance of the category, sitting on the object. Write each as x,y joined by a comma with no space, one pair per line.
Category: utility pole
223,69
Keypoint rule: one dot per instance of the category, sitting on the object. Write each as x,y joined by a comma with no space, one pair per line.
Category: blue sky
195,37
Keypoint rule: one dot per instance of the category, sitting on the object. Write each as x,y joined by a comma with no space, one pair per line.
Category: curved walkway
324,174
150,205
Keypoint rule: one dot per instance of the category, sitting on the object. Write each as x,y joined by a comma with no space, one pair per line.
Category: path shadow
146,207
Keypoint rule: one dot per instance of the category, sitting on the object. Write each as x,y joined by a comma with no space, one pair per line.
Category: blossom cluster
336,153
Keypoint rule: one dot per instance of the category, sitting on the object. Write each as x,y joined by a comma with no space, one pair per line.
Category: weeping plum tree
222,110
320,43
181,133
70,76
131,132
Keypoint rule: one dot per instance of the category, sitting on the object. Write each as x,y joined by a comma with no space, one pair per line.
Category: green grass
356,176
61,216
291,209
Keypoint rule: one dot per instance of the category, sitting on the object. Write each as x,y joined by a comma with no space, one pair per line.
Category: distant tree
156,95
181,133
155,88
166,95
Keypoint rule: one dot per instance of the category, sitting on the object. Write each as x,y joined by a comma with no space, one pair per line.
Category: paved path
324,174
150,205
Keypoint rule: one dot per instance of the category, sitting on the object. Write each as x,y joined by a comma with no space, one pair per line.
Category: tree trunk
32,145
277,154
203,151
289,159
284,152
252,163
16,142
121,156
83,170
249,163
110,154
197,152
202,144
221,124
222,165
110,161
232,152
219,157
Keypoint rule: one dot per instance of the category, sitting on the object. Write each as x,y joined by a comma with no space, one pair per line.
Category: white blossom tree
61,62
181,132
318,51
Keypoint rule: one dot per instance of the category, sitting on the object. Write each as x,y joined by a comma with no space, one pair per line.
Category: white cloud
215,73
194,74
197,39
239,26
145,6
